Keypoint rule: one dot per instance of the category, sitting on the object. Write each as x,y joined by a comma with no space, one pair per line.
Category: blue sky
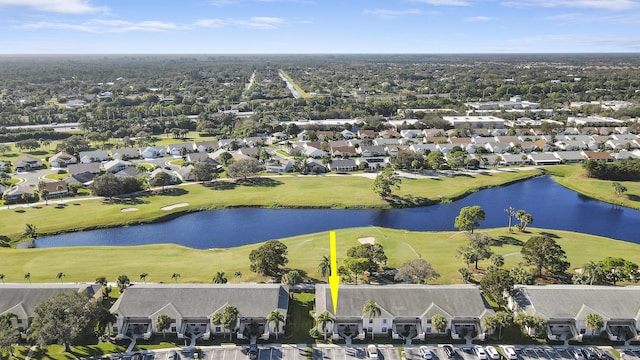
318,26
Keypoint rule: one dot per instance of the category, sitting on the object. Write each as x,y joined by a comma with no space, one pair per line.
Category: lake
551,205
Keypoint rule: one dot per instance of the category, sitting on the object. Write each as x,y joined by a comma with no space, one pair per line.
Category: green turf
278,191
574,178
305,252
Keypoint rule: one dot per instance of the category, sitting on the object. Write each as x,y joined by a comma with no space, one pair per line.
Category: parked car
253,351
590,355
480,353
576,354
509,352
599,353
425,352
173,356
372,351
449,351
492,353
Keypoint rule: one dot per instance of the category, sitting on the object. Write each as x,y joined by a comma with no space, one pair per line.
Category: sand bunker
128,209
174,206
367,240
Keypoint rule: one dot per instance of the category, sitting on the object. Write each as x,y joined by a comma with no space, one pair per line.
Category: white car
509,352
480,353
492,353
372,350
426,353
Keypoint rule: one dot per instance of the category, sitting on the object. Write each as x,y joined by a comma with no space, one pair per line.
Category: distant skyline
318,26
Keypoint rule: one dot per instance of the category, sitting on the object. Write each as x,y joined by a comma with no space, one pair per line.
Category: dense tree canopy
469,218
417,271
268,258
543,253
64,318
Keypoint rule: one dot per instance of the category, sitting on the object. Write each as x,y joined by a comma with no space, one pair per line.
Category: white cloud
105,26
478,19
444,2
388,14
261,22
56,6
592,4
113,26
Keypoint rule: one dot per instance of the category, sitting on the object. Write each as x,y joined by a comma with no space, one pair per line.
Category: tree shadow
60,206
173,192
508,240
633,197
38,153
129,201
408,201
550,235
20,211
221,185
259,182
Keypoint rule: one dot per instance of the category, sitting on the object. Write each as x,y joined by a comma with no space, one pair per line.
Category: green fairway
574,178
161,261
349,191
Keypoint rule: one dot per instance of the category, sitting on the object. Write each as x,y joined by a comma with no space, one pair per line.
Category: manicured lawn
300,321
347,191
85,264
573,177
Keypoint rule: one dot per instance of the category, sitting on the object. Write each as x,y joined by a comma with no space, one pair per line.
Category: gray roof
406,300
576,301
74,169
21,299
202,300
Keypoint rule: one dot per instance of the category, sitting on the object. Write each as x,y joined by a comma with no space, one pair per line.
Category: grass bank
295,86
82,264
347,191
573,177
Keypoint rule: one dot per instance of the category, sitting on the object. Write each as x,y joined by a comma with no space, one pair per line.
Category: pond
551,205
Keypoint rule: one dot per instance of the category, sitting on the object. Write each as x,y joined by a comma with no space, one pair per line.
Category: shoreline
177,211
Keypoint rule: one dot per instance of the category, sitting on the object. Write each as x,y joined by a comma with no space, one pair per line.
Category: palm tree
163,322
323,319
27,276
59,189
371,310
237,274
175,276
143,277
2,277
31,231
275,317
44,193
219,278
324,267
511,212
60,275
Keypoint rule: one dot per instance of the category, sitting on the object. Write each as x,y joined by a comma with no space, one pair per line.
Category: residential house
22,299
183,173
513,159
326,135
423,148
445,148
475,122
343,165
316,166
405,310
366,134
411,133
389,134
543,159
115,166
278,166
249,151
62,159
374,163
343,151
436,140
598,155
228,144
495,147
56,188
569,157
314,152
565,309
253,141
625,155
15,192
201,157
28,163
125,153
157,171
192,307
176,149
205,146
83,173
346,134
93,156
372,150
384,142
152,152
433,132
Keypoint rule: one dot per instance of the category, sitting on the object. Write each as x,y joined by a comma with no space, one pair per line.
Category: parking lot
352,352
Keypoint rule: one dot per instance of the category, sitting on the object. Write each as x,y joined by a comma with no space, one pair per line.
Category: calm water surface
551,205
